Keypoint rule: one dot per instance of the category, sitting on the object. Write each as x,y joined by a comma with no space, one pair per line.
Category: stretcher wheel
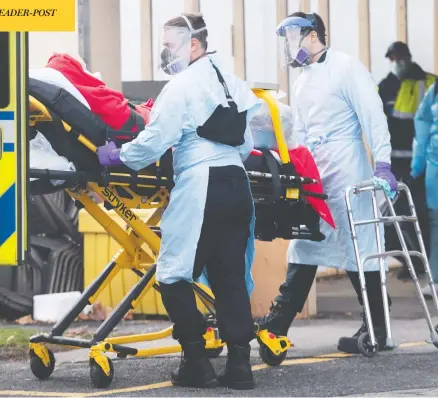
365,346
269,358
98,377
214,352
38,368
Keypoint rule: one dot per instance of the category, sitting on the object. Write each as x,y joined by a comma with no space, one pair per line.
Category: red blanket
110,105
305,166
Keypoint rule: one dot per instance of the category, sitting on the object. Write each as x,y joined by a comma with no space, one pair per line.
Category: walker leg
389,339
423,251
370,347
432,330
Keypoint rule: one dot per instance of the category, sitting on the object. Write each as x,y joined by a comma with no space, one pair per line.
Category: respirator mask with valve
292,34
175,55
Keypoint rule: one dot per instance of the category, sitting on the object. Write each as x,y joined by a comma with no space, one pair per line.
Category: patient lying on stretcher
109,105
115,111
74,95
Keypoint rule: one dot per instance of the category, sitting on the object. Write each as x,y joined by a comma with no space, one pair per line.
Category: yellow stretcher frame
140,259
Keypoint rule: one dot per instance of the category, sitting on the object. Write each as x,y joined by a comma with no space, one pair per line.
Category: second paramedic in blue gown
203,114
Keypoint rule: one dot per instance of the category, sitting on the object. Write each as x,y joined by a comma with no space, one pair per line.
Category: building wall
260,41
260,20
421,15
382,14
131,40
218,16
43,44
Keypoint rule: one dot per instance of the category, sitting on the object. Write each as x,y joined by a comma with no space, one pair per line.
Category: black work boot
195,369
238,372
350,344
278,319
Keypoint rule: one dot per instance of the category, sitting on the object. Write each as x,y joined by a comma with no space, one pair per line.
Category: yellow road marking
335,355
39,394
148,387
290,362
413,344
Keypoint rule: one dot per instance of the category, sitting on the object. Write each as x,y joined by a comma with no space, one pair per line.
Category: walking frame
140,245
367,342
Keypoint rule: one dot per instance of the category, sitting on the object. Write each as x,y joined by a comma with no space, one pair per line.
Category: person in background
425,162
401,92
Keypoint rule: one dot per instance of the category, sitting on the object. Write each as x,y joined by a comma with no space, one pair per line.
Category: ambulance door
13,147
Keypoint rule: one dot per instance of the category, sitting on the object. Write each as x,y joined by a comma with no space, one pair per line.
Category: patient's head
74,57
198,43
78,58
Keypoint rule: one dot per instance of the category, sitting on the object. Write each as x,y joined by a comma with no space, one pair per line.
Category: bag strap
222,81
273,168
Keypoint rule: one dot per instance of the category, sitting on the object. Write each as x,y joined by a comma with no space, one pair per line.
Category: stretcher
75,133
367,342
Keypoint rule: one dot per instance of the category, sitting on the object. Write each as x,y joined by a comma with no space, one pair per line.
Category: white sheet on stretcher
52,76
41,154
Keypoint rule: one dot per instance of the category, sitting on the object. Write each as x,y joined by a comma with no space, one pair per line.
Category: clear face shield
294,40
291,50
176,51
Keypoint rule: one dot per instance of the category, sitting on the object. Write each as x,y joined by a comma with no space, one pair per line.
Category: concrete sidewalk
336,299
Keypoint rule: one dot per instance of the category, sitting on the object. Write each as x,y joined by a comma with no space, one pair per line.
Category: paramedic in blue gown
334,100
425,162
203,114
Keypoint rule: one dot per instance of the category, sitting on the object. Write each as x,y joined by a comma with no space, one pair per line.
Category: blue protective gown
185,103
425,146
334,101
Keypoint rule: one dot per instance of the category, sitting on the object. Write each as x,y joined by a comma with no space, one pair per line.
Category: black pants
299,280
221,249
401,168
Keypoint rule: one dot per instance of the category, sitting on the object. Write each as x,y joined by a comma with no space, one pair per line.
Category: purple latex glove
109,154
383,170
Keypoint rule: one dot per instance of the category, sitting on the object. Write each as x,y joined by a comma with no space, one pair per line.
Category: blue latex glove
383,171
418,166
109,155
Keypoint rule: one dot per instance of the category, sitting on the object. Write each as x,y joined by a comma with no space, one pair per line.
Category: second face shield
291,51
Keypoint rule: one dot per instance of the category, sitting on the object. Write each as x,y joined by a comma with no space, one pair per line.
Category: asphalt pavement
313,367
411,366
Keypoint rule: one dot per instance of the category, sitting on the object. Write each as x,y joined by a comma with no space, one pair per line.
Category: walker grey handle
365,184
